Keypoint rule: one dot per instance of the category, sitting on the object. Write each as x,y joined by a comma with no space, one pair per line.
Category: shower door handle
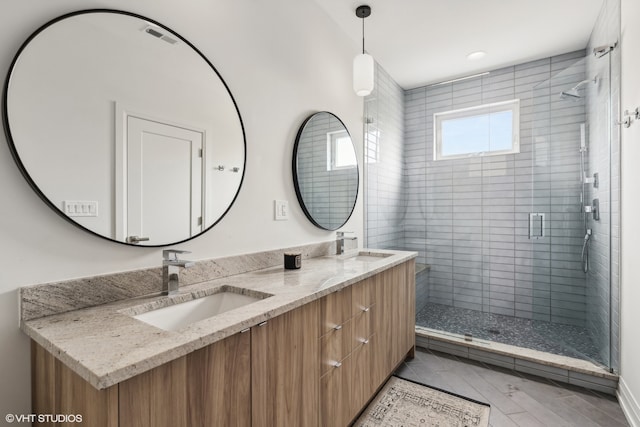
536,225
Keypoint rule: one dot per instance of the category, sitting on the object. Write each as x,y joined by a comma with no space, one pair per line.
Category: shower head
573,93
570,94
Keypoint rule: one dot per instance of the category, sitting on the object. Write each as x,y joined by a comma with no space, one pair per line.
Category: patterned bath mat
403,403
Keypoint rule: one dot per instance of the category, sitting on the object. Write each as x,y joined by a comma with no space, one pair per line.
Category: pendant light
363,63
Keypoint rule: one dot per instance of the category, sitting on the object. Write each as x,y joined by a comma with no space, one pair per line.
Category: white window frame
511,105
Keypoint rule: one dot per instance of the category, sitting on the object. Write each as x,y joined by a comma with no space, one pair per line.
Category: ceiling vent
158,33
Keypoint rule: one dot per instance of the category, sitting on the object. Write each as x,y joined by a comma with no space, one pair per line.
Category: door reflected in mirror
325,171
130,133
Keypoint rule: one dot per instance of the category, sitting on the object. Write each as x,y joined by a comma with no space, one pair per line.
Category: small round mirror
325,171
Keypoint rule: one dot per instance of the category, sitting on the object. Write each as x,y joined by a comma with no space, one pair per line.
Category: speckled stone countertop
105,345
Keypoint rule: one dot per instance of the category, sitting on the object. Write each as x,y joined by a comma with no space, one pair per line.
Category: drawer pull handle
262,324
365,341
245,330
338,327
366,309
337,364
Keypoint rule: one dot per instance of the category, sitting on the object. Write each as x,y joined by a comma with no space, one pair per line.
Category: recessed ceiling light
476,55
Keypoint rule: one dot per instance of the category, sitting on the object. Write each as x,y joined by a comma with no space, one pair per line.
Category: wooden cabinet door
335,395
156,398
383,328
393,320
209,387
285,368
56,389
362,388
219,383
398,289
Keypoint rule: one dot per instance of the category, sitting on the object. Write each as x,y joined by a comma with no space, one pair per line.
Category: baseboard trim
628,403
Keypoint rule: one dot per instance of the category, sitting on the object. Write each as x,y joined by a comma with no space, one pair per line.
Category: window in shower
477,131
340,153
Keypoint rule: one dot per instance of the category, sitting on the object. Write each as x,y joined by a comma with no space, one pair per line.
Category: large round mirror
124,128
325,171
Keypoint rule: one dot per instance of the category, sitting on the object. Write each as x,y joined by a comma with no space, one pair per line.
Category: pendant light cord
363,12
363,34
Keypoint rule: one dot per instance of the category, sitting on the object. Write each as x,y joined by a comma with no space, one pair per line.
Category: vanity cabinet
318,364
265,376
368,330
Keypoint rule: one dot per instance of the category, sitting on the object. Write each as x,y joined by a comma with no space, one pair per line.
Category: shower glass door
568,224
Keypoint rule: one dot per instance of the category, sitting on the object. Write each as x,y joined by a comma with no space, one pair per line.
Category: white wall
630,183
282,60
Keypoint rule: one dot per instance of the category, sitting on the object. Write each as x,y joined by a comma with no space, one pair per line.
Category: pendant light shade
363,74
363,65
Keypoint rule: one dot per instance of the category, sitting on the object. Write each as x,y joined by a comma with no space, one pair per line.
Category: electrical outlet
281,208
80,208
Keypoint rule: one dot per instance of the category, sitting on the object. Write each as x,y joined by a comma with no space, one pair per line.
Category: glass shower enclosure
570,226
515,248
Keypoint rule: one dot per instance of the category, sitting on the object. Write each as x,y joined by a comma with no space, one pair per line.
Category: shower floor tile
564,340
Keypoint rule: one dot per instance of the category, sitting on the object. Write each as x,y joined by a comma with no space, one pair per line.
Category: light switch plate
281,210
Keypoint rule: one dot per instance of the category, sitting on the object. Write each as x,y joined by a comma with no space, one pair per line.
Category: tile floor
516,399
565,340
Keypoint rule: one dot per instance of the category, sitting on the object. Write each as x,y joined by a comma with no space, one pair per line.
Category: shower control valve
593,209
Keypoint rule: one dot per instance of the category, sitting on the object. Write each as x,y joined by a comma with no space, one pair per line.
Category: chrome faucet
340,238
171,270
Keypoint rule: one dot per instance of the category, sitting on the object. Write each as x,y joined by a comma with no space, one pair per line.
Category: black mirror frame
295,174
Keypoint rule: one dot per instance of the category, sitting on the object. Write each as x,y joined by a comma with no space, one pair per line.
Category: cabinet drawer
362,326
362,295
335,309
335,345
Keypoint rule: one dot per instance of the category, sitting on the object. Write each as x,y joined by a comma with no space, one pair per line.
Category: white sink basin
178,316
368,256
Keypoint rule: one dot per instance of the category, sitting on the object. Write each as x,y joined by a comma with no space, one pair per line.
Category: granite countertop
105,345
